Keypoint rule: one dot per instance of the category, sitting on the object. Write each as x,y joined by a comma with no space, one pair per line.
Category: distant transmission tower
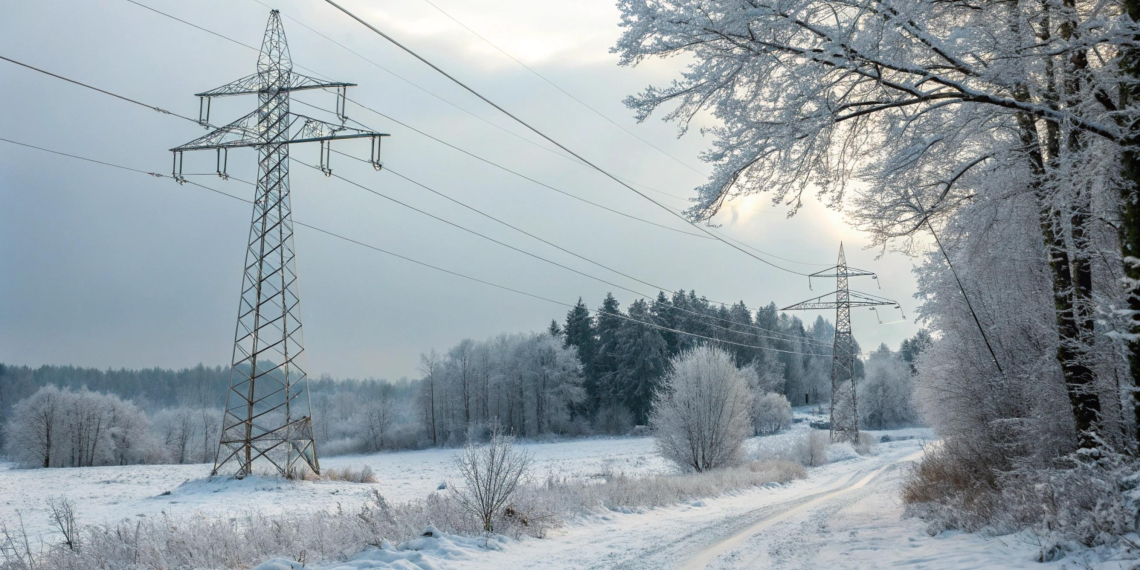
267,422
844,411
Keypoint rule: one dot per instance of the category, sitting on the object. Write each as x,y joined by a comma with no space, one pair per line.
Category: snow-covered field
844,515
108,494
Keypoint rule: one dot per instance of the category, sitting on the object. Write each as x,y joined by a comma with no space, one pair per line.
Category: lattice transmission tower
844,405
267,424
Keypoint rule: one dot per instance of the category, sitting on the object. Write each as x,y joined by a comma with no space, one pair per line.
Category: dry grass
344,475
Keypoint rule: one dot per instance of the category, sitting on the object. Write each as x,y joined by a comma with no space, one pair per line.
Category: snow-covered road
707,531
844,515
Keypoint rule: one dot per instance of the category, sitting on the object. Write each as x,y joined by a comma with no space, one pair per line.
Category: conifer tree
641,361
604,364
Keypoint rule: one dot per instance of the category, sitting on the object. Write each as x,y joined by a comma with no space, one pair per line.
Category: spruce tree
665,315
604,364
580,333
641,361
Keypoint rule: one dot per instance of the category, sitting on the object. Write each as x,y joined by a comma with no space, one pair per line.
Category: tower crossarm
244,132
856,299
252,84
860,299
819,302
844,272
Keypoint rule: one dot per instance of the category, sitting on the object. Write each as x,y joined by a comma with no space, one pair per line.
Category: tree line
596,371
593,373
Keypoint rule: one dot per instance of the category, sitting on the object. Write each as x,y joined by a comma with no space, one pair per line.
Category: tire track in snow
711,553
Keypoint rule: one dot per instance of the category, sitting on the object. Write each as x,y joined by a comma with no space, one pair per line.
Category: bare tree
380,418
61,512
428,364
492,473
703,410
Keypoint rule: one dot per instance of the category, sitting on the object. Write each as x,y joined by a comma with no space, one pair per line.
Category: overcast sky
106,268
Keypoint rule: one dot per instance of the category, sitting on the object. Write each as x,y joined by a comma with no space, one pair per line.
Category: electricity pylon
844,411
267,421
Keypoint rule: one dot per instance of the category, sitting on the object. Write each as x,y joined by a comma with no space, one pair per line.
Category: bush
492,472
771,413
812,448
949,493
1083,502
702,412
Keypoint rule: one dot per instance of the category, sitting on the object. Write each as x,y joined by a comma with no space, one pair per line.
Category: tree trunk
1071,353
1130,210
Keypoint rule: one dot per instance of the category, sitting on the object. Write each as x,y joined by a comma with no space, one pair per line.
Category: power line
374,248
155,108
164,111
499,242
510,171
564,92
528,234
579,160
552,140
381,67
247,46
564,250
386,70
127,99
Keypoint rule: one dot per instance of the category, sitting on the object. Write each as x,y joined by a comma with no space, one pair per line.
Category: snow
113,493
843,515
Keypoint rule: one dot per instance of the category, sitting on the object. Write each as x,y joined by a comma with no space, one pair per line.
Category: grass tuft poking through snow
251,537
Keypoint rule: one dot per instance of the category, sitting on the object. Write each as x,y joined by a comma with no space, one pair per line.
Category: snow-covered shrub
492,472
1090,503
811,448
771,413
702,412
347,474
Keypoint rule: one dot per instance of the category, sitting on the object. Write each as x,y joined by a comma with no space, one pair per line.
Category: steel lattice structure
267,423
844,405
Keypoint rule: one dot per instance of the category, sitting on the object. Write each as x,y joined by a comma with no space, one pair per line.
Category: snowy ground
844,515
109,494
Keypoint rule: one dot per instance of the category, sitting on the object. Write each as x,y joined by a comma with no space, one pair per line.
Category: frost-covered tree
885,393
703,411
580,333
35,431
64,428
937,107
771,413
912,347
769,376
